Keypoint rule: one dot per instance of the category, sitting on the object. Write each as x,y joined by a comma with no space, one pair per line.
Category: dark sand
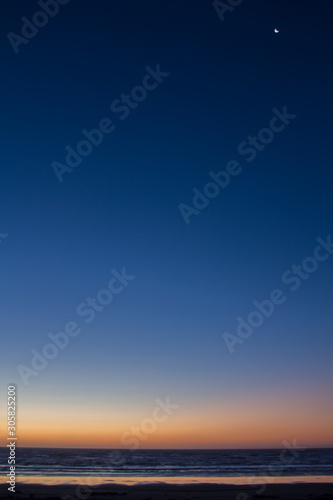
159,491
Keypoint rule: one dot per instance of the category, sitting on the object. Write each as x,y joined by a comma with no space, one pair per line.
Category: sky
126,254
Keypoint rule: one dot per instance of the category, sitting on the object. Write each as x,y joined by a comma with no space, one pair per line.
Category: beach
165,491
84,474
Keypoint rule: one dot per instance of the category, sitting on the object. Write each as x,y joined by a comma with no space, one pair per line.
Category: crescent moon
276,31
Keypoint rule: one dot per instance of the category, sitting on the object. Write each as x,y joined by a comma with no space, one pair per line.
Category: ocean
102,463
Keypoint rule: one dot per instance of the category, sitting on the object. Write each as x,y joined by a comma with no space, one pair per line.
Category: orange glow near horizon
249,422
179,432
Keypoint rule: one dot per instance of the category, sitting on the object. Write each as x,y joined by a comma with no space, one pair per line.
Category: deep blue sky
163,335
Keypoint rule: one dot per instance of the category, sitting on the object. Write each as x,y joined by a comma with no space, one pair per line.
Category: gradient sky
162,336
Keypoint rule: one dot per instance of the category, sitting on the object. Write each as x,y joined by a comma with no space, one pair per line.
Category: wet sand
163,491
